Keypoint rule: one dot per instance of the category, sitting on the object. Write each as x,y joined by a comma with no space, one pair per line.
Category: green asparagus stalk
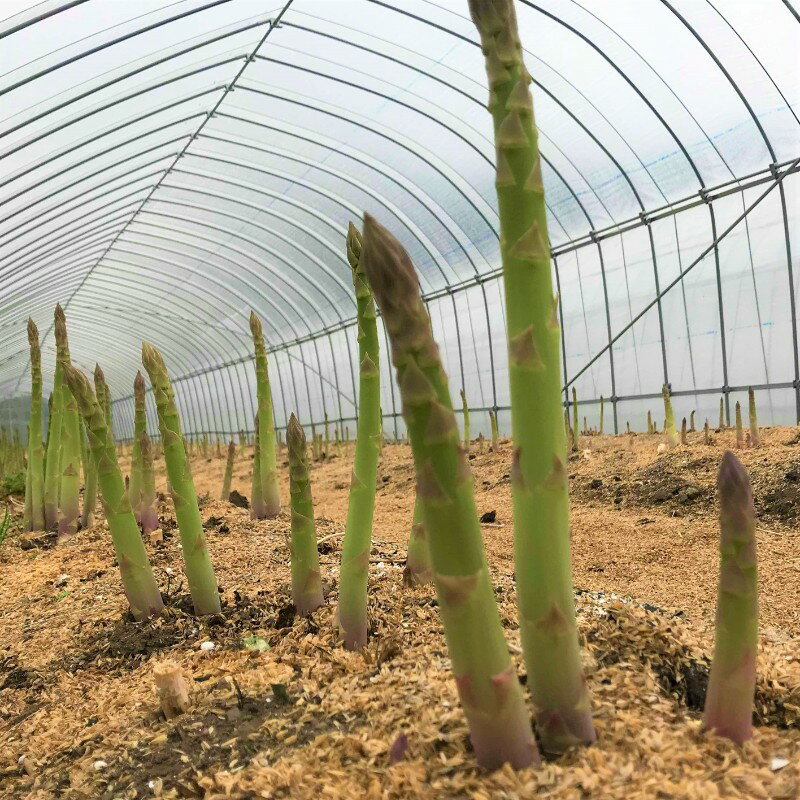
269,474
755,436
721,414
669,418
69,493
576,440
684,440
739,435
601,415
306,585
418,570
465,412
27,513
691,422
539,478
649,422
352,612
199,572
490,692
89,483
242,440
35,449
52,477
226,483
707,436
327,438
137,576
143,484
495,432
731,683
257,510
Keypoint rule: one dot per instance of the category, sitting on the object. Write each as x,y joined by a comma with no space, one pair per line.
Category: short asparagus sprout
197,561
684,440
257,510
539,485
669,418
691,422
649,422
707,436
465,413
739,434
352,612
142,490
306,585
731,683
490,692
418,569
138,581
327,437
35,478
721,414
226,482
267,468
495,431
755,436
601,415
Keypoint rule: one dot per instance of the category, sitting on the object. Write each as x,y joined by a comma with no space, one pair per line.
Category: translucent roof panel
167,165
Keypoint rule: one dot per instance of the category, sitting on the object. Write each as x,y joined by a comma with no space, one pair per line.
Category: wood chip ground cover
279,710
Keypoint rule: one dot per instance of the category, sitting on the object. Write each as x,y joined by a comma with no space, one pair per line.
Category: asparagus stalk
649,421
707,437
134,567
226,483
257,510
731,683
739,435
69,493
465,412
684,440
199,572
539,482
352,612
691,422
490,692
143,485
89,484
306,585
721,414
495,432
418,569
576,440
52,476
601,415
35,449
755,436
669,418
269,474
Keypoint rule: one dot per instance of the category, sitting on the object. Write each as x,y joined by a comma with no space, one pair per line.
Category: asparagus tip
33,332
295,435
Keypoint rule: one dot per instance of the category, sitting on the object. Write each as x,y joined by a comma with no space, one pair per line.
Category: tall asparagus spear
358,530
70,468
52,475
269,474
486,680
495,432
755,436
226,482
257,509
306,585
199,572
134,567
539,478
669,418
35,449
721,414
739,434
731,684
143,486
89,483
418,561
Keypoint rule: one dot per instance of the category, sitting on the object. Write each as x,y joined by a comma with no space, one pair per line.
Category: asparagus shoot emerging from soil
89,484
691,422
306,585
142,488
226,481
495,432
257,510
199,572
684,440
465,412
649,422
418,562
576,438
352,612
539,478
70,467
731,683
669,418
601,415
739,435
35,448
721,414
490,692
707,437
755,437
266,465
134,567
52,474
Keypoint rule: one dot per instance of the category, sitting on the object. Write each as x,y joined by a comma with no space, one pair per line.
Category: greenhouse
397,397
